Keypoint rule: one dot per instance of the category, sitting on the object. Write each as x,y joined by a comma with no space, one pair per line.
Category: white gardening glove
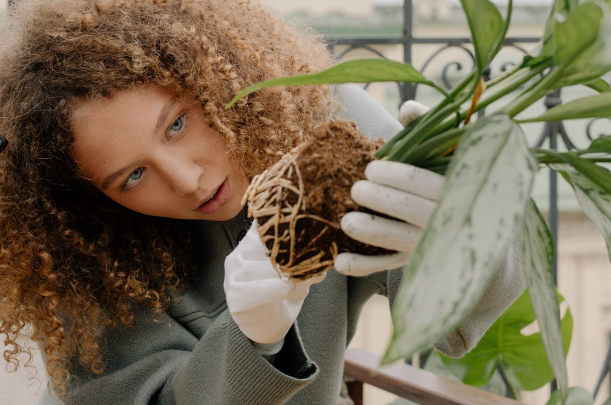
400,191
261,304
410,111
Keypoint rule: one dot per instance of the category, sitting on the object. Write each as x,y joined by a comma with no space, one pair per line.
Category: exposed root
267,194
299,201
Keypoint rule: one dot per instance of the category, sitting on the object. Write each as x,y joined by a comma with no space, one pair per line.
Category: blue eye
177,126
133,178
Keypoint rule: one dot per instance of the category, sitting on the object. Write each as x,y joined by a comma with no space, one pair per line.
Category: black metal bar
605,371
554,129
553,202
408,91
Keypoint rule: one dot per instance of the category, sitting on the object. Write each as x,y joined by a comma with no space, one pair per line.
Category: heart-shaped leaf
522,357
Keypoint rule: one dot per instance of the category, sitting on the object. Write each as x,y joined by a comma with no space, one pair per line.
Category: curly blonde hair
72,261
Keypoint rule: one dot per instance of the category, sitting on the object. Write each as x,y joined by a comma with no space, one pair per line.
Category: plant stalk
420,132
410,130
497,95
534,93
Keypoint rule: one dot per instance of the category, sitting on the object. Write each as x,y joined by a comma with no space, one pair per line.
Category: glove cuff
268,349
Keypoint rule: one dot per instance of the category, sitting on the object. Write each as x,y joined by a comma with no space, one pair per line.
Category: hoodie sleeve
161,362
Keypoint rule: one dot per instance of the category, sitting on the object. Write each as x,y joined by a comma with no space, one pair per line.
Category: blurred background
434,40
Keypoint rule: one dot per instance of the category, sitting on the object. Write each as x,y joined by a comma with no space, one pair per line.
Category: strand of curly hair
71,261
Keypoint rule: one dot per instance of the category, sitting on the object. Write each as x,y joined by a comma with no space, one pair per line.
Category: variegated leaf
593,197
537,248
487,187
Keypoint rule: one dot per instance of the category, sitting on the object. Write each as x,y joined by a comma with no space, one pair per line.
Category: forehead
87,111
114,130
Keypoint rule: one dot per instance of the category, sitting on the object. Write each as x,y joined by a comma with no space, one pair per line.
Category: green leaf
530,61
577,33
559,12
434,364
584,60
602,144
596,106
592,186
353,71
592,178
537,248
522,357
487,187
577,396
487,30
600,85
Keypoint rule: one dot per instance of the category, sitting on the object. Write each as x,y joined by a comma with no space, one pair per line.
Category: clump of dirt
298,202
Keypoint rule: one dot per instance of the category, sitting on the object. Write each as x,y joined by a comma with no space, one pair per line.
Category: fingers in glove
382,232
352,264
390,201
252,271
410,111
248,296
406,177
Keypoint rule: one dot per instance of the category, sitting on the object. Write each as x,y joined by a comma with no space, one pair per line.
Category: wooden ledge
415,384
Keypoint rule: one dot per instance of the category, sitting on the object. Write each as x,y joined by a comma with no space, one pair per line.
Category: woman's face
154,153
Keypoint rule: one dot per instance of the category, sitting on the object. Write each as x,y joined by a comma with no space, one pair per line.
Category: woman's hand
262,305
403,192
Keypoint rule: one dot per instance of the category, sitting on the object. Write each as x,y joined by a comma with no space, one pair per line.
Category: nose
182,174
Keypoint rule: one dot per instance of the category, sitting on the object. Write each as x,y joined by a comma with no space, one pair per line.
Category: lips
217,200
213,195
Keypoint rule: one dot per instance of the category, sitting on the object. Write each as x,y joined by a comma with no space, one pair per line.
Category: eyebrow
163,116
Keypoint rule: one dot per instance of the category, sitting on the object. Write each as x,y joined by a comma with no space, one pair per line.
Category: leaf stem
420,132
493,82
408,132
533,93
428,147
513,85
548,157
499,93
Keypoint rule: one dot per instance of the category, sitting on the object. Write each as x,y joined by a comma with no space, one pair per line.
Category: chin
224,215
